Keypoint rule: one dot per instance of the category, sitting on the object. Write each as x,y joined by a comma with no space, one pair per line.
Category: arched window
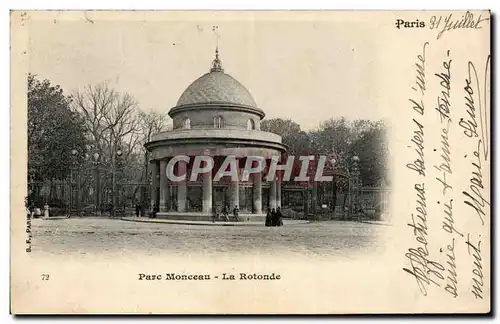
187,123
218,122
250,124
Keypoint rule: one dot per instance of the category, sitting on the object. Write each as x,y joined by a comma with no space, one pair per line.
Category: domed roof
216,87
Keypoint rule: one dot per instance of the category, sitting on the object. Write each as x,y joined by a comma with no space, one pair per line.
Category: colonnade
159,179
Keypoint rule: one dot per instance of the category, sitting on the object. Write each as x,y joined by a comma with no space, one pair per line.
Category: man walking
225,213
236,212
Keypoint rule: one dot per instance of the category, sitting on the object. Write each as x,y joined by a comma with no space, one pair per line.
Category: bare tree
121,124
150,123
111,120
92,102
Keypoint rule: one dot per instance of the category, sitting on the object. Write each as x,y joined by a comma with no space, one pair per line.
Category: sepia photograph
278,155
98,157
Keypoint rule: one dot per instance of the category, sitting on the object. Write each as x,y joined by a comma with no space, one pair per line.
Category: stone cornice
217,105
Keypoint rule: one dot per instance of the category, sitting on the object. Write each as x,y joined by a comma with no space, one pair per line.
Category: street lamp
96,170
356,179
71,168
74,154
116,165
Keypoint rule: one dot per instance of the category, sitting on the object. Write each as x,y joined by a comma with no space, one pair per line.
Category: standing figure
137,210
279,221
214,213
155,210
236,212
32,210
46,211
273,217
225,213
269,218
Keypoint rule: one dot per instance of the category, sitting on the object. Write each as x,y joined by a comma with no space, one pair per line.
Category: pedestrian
214,213
137,209
32,210
278,217
273,217
269,218
236,212
225,213
46,211
151,211
155,210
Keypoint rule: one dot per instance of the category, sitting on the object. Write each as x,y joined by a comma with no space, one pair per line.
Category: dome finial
216,63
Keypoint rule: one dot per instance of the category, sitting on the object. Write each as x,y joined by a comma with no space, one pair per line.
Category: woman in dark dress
269,218
273,217
279,221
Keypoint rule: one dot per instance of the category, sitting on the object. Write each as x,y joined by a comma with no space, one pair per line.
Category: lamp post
118,164
314,190
74,153
74,162
149,190
96,184
356,183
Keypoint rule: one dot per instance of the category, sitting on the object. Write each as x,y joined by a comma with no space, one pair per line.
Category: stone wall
204,118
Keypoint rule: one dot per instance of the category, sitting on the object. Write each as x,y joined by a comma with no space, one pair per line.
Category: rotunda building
215,116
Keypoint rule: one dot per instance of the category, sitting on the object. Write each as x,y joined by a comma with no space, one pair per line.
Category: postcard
250,162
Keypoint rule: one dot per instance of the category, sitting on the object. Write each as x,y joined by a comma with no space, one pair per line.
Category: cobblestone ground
112,237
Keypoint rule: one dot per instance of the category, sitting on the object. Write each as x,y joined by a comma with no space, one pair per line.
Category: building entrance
220,198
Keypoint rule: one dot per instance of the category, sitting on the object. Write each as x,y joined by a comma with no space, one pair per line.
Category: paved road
112,237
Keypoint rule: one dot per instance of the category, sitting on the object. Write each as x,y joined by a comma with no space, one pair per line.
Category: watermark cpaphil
303,168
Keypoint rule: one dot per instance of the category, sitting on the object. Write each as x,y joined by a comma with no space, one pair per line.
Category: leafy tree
371,147
342,137
296,139
282,127
54,130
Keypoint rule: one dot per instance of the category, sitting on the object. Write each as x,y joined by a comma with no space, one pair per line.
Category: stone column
257,193
207,192
163,186
154,182
278,193
272,194
181,187
234,191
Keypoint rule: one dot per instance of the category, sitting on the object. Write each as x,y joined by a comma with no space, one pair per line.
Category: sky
306,69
